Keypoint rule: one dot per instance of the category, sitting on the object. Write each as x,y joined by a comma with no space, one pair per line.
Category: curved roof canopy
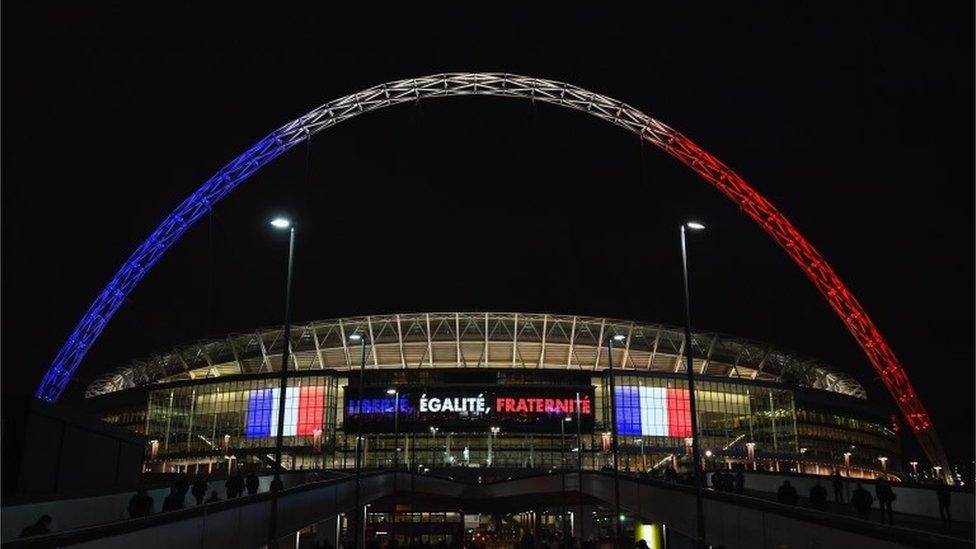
478,340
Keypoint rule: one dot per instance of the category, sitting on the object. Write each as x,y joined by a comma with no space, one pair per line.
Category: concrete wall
64,451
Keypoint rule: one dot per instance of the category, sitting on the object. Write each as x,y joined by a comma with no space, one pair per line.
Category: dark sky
855,120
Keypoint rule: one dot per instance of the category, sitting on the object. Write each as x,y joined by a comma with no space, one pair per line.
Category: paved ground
959,529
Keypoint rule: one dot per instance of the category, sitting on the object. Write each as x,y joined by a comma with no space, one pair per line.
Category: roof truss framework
478,340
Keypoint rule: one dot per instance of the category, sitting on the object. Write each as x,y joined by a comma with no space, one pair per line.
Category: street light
613,429
396,427
276,484
914,465
643,460
751,452
358,338
884,463
562,466
689,369
492,433
562,441
579,462
283,223
433,441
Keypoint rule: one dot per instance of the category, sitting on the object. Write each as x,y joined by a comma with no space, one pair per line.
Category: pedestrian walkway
959,529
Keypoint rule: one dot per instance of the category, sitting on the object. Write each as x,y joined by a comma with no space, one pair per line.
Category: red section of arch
823,277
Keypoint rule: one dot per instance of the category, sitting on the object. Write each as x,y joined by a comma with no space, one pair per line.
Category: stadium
494,390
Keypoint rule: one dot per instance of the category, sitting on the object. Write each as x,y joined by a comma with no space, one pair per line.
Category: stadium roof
477,340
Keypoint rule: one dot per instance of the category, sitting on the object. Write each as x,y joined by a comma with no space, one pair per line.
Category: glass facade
191,423
654,418
231,417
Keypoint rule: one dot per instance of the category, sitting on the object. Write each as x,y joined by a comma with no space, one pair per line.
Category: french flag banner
653,411
303,411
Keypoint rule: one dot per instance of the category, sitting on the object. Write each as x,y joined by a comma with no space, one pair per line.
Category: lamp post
562,467
433,442
914,465
492,434
276,484
282,223
396,427
643,460
689,368
847,462
562,441
579,463
358,338
613,434
884,463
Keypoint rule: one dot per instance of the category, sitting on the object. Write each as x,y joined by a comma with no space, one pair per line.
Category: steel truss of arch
776,225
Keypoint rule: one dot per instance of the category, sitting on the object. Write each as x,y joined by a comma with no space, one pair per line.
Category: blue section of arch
170,230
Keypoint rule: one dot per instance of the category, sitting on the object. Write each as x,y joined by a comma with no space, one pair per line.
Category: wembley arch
734,187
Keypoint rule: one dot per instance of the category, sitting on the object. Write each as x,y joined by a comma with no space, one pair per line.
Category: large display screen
469,409
303,411
653,411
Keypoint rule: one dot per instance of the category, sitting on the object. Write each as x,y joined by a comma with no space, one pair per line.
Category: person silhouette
141,504
199,490
252,482
786,494
945,499
818,497
41,527
174,500
861,500
882,489
838,483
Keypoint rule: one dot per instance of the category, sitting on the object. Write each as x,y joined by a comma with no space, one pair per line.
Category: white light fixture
280,223
619,337
355,337
695,226
391,391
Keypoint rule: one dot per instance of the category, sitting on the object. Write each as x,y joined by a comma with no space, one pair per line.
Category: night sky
855,120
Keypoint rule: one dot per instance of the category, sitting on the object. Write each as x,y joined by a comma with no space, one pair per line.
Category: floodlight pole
396,430
689,370
276,483
283,382
613,442
579,463
359,439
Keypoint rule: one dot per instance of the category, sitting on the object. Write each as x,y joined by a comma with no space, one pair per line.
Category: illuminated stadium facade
494,389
